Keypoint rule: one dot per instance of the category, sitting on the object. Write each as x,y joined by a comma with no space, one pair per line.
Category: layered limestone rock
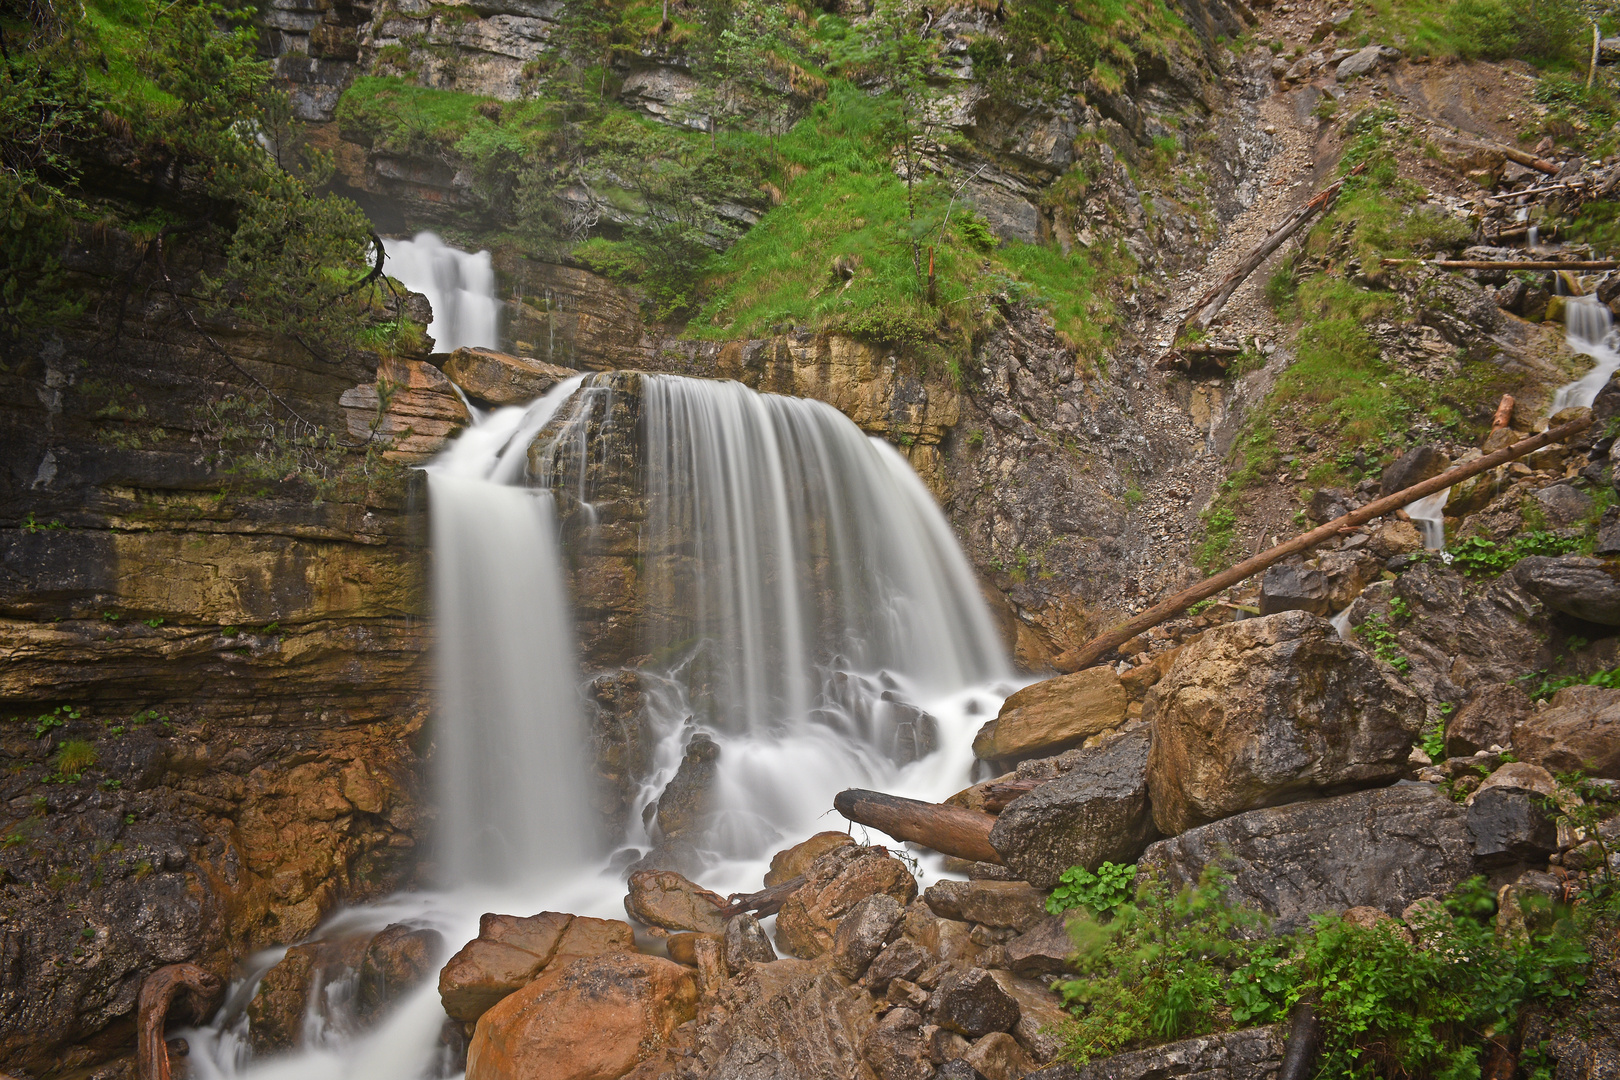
229,620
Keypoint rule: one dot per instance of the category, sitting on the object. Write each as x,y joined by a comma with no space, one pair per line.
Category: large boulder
1510,818
1048,716
1043,949
1041,1016
1413,467
1321,585
744,943
500,379
593,1018
510,951
686,806
972,1003
1006,905
1096,812
895,1050
1580,731
665,898
1381,849
1270,710
863,932
795,861
1574,584
1488,720
1250,1054
835,883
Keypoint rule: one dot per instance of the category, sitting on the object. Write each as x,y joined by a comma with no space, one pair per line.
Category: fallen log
1093,650
1529,161
768,901
1209,305
1508,264
203,989
1504,412
950,830
997,796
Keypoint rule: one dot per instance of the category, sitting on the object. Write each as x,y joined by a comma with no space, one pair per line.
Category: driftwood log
202,988
768,901
1094,650
950,830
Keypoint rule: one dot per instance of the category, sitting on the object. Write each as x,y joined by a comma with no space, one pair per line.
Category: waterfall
459,285
1587,328
1426,514
509,719
809,611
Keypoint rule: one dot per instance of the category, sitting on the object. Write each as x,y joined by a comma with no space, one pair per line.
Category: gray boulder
1271,710
1096,812
1381,849
905,959
1044,949
746,942
1488,720
1574,584
972,1003
1414,466
1250,1054
863,932
1509,815
1564,504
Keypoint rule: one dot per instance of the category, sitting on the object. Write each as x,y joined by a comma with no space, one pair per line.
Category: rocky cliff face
212,651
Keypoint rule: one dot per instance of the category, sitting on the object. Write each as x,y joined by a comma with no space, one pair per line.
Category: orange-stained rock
791,862
588,937
594,1018
501,379
665,898
808,921
411,410
507,954
1048,716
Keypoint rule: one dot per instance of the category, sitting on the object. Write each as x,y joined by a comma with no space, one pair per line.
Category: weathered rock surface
501,379
1382,849
396,960
1413,466
1096,812
795,861
1580,730
904,959
411,411
1508,815
1043,949
1321,585
1269,710
787,1020
1049,716
588,1019
1574,584
687,804
510,951
276,1013
665,898
894,1048
998,1056
1041,1016
745,942
836,882
1014,905
863,932
1250,1054
972,1004
1488,720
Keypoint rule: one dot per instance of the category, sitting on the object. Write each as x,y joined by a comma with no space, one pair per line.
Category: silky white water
1426,514
817,619
458,284
1588,329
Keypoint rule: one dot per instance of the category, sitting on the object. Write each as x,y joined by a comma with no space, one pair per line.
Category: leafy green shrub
1155,971
1477,556
1099,892
1548,687
1381,639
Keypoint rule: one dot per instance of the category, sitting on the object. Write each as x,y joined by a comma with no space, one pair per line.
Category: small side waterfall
1588,327
459,285
1426,514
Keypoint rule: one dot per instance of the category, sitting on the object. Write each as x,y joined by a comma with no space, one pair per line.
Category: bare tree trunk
952,830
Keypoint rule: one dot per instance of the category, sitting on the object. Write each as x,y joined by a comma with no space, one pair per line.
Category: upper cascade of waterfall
1588,329
459,285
